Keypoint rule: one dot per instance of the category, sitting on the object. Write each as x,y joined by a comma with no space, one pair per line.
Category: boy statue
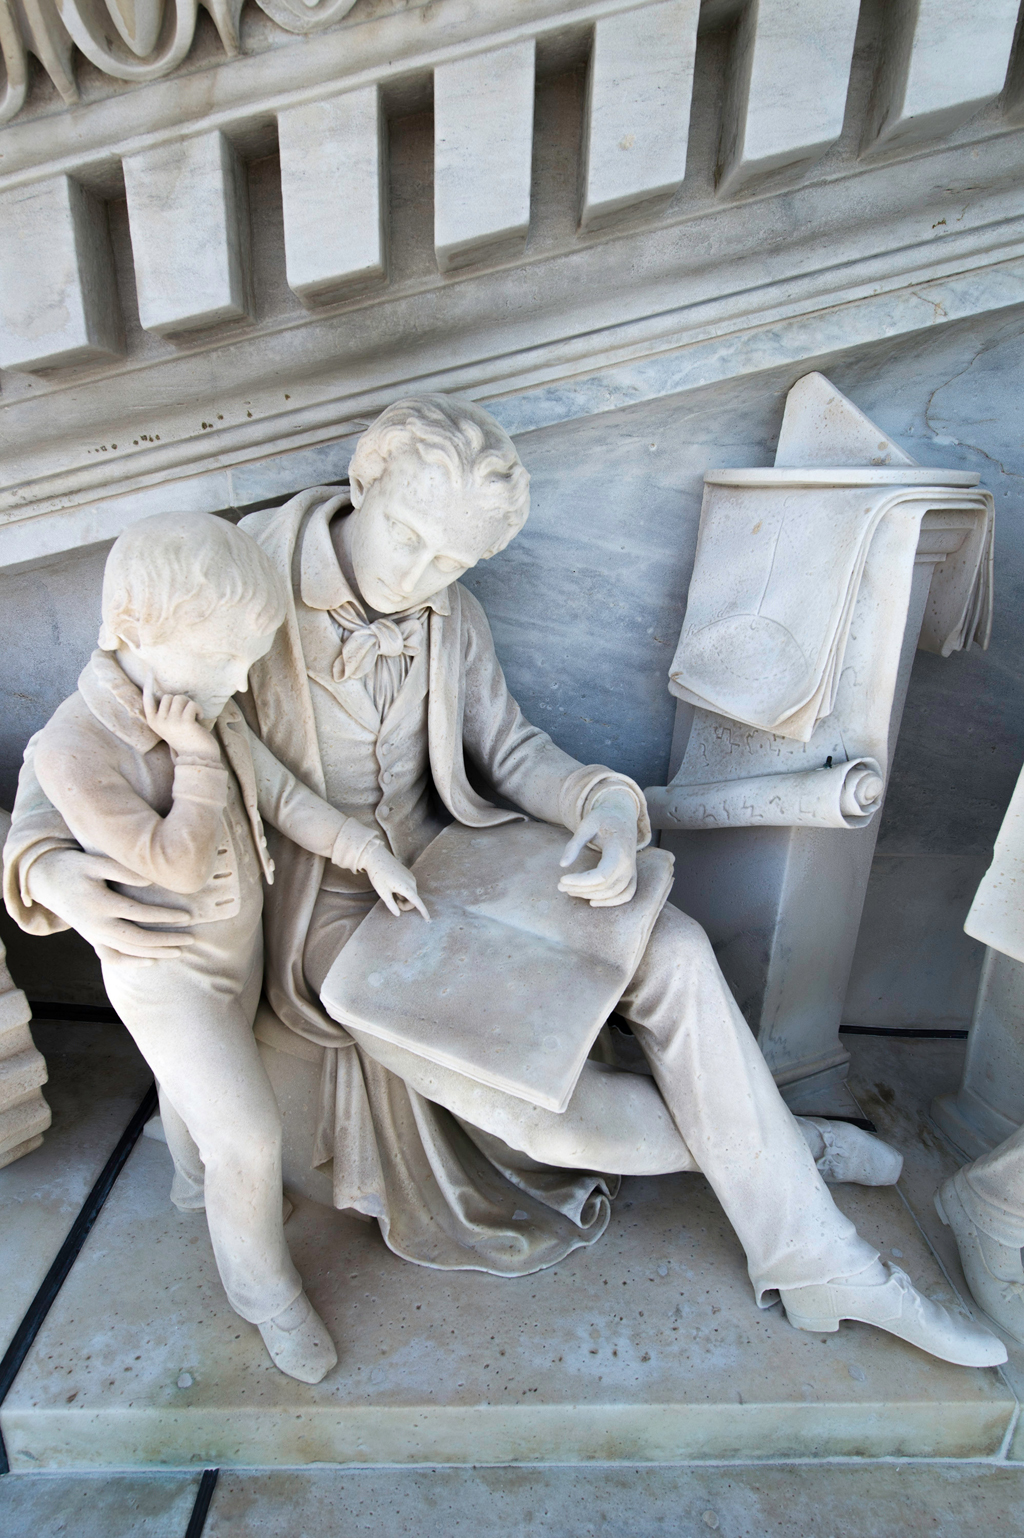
160,780
383,693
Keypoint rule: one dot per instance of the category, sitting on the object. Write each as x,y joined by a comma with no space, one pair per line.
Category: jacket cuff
352,842
582,789
207,783
27,913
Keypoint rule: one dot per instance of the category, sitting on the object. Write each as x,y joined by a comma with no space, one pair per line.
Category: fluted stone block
483,154
58,296
940,62
24,1114
332,186
989,1105
786,96
189,228
638,110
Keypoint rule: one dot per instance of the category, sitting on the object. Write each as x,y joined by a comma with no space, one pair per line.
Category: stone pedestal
989,1105
647,1348
774,806
782,907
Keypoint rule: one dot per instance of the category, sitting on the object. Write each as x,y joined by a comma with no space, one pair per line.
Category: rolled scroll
841,796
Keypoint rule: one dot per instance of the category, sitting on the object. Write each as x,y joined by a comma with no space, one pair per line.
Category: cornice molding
138,41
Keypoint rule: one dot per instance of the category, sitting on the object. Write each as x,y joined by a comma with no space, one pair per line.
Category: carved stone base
647,1348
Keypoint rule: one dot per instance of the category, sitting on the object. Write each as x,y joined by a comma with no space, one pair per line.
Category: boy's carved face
208,660
415,531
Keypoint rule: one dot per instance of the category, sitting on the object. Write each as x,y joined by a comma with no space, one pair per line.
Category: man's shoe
298,1341
894,1305
994,1271
852,1156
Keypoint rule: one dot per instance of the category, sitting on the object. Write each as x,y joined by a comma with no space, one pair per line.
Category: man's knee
678,929
678,948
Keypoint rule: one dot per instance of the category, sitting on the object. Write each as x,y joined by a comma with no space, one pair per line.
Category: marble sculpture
983,1203
373,694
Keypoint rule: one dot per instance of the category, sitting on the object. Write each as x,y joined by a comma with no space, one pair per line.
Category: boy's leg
197,1038
187,1187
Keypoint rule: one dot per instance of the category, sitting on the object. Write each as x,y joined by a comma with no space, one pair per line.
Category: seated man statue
383,694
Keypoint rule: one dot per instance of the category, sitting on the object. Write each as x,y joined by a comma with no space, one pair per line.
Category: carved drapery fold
132,40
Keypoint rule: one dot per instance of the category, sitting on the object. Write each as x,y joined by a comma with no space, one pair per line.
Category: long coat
444,1194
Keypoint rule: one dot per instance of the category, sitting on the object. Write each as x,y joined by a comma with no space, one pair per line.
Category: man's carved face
413,532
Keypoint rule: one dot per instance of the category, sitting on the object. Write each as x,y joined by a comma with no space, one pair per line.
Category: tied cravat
365,642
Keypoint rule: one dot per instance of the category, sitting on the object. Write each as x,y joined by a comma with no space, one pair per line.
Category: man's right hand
73,885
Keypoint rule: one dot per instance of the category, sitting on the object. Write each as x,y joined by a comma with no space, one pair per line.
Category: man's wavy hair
173,570
465,441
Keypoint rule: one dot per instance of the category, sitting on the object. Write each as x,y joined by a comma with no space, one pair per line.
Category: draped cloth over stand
794,624
775,583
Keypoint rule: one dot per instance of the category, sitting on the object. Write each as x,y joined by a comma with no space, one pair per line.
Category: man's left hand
611,824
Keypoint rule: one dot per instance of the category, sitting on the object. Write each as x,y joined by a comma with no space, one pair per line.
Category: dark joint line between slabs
68,1253
898,1033
204,1495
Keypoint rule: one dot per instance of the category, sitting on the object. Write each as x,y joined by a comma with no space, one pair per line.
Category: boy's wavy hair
177,569
462,438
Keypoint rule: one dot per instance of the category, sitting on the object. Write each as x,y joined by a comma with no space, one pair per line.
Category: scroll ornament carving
133,40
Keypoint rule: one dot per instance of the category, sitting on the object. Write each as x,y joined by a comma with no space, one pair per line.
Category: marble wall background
587,604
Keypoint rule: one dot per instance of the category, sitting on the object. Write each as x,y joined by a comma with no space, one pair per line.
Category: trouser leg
200,1045
615,1123
994,1195
187,1187
728,1109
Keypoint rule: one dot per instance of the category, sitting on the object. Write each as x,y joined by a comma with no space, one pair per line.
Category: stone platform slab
646,1349
96,1079
793,1500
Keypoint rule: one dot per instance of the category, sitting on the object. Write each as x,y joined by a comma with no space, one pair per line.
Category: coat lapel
279,688
445,711
232,734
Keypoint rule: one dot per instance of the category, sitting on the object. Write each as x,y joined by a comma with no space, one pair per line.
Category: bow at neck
365,641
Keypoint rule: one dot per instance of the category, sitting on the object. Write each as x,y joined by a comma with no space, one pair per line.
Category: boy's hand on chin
175,718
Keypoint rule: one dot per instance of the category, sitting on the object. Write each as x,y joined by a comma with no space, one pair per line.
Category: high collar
116,702
322,583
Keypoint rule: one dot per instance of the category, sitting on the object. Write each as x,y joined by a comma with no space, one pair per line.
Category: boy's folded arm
303,816
36,828
106,814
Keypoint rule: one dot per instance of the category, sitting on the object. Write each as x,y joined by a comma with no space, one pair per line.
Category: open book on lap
512,980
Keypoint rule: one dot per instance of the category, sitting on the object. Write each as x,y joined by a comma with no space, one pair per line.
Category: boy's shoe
894,1305
993,1270
299,1343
